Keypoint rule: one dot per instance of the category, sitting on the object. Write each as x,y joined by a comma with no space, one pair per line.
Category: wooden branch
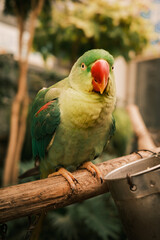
52,193
144,139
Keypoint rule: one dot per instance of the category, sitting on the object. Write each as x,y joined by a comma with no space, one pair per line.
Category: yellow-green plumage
76,124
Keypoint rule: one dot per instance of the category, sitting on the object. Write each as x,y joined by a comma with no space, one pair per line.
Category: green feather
92,55
43,128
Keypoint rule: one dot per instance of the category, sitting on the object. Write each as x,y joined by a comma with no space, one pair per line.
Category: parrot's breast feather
84,111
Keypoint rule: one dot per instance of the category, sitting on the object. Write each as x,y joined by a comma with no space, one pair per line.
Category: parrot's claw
68,176
93,170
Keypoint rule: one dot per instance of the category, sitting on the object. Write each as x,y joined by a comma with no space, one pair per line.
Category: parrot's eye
112,68
83,66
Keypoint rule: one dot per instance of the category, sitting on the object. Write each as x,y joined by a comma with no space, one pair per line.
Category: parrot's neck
85,110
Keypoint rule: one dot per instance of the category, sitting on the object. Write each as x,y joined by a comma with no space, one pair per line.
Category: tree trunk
14,125
20,103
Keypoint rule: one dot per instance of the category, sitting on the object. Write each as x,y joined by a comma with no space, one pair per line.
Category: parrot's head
93,72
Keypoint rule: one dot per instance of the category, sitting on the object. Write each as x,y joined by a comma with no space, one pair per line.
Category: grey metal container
135,189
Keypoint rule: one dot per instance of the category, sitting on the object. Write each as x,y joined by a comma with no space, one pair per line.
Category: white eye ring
83,66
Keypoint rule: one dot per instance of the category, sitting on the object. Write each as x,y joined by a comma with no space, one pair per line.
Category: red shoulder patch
43,107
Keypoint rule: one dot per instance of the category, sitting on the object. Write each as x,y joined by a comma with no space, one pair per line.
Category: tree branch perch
52,193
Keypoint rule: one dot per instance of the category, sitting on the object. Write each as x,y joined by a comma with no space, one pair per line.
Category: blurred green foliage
95,219
70,28
8,78
122,140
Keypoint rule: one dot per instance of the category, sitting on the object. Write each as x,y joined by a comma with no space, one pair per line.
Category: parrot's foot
68,176
92,169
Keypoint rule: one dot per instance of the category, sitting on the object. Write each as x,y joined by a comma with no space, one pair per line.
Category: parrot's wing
45,117
44,124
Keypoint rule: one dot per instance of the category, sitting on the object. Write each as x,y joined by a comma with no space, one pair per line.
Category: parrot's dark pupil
82,65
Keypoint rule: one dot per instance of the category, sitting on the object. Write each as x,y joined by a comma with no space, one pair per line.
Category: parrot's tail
35,227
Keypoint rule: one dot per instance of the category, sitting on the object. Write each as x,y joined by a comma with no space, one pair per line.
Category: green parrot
71,121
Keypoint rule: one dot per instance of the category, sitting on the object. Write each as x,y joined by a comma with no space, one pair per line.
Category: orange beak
100,74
